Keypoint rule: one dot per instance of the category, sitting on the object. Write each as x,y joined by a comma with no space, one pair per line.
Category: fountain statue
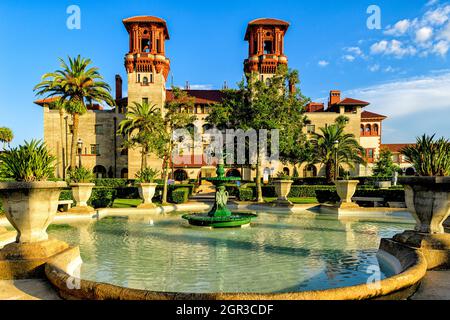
220,215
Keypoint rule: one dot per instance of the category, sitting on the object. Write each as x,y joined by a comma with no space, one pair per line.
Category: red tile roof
147,19
353,102
265,22
200,96
396,148
42,102
367,115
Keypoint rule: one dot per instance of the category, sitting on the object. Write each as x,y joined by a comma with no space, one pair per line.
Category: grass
126,203
295,200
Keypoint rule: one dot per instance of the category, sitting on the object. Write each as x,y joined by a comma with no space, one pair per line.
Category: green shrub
233,190
127,192
173,187
102,197
312,181
395,194
1,208
113,183
180,195
245,194
29,162
66,194
80,175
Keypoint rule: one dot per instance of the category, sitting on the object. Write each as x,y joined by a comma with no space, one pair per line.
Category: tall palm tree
334,147
6,136
75,83
141,121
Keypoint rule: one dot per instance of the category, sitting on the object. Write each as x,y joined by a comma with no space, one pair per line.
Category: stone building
148,67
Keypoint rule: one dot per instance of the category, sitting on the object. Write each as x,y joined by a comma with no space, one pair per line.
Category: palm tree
333,147
75,83
6,136
141,121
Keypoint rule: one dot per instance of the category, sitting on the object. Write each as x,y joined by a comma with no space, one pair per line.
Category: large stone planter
346,190
147,192
81,194
283,188
428,200
30,208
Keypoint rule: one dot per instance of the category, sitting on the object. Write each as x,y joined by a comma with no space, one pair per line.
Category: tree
76,83
385,167
140,123
334,147
265,105
6,136
176,115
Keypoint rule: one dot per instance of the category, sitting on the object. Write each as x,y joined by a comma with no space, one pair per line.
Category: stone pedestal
435,247
27,260
346,189
147,192
81,194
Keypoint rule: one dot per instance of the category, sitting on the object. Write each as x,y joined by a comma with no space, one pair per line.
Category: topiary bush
245,194
180,195
102,197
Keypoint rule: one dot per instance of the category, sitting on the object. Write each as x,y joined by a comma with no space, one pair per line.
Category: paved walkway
27,290
435,286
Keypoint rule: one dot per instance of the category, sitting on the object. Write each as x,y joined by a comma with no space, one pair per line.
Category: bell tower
266,47
146,63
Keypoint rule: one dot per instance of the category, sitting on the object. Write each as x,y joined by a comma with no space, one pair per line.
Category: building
148,67
399,159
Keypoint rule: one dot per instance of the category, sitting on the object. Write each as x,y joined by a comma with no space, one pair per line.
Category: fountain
220,216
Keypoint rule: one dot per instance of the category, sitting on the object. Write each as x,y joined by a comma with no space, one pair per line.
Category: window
310,128
370,154
368,130
144,100
99,129
151,77
268,47
375,129
158,45
71,129
139,78
145,81
95,149
145,45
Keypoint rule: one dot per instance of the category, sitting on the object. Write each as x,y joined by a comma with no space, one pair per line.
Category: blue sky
402,69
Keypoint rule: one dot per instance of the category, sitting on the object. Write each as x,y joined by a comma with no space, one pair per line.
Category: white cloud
348,57
438,16
424,34
441,48
408,96
445,33
431,3
374,68
323,63
393,47
201,86
399,28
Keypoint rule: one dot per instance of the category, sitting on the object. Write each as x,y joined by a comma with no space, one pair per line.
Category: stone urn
346,190
428,200
81,194
283,188
147,192
30,207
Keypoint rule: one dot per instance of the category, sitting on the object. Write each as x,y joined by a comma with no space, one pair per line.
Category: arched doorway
100,172
234,173
286,171
180,175
410,171
124,173
310,171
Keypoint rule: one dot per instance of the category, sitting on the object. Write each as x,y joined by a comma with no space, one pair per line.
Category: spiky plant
80,175
147,175
429,157
29,162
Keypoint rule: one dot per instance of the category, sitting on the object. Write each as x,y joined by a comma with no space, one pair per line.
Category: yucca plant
429,157
80,175
146,175
29,162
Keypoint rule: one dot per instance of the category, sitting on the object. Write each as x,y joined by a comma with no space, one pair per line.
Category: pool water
278,253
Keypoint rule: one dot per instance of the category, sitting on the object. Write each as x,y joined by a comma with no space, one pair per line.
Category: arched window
180,175
145,81
410,171
376,129
234,173
368,130
310,171
286,171
362,130
124,173
100,172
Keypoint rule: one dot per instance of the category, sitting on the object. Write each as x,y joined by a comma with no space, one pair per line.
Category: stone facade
147,70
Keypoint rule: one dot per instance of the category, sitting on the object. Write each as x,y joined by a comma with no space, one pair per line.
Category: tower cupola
266,45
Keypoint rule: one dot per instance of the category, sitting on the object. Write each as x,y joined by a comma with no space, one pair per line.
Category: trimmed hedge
396,195
113,183
180,195
101,197
245,194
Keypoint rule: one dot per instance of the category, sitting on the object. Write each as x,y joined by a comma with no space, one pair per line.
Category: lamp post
80,149
336,169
